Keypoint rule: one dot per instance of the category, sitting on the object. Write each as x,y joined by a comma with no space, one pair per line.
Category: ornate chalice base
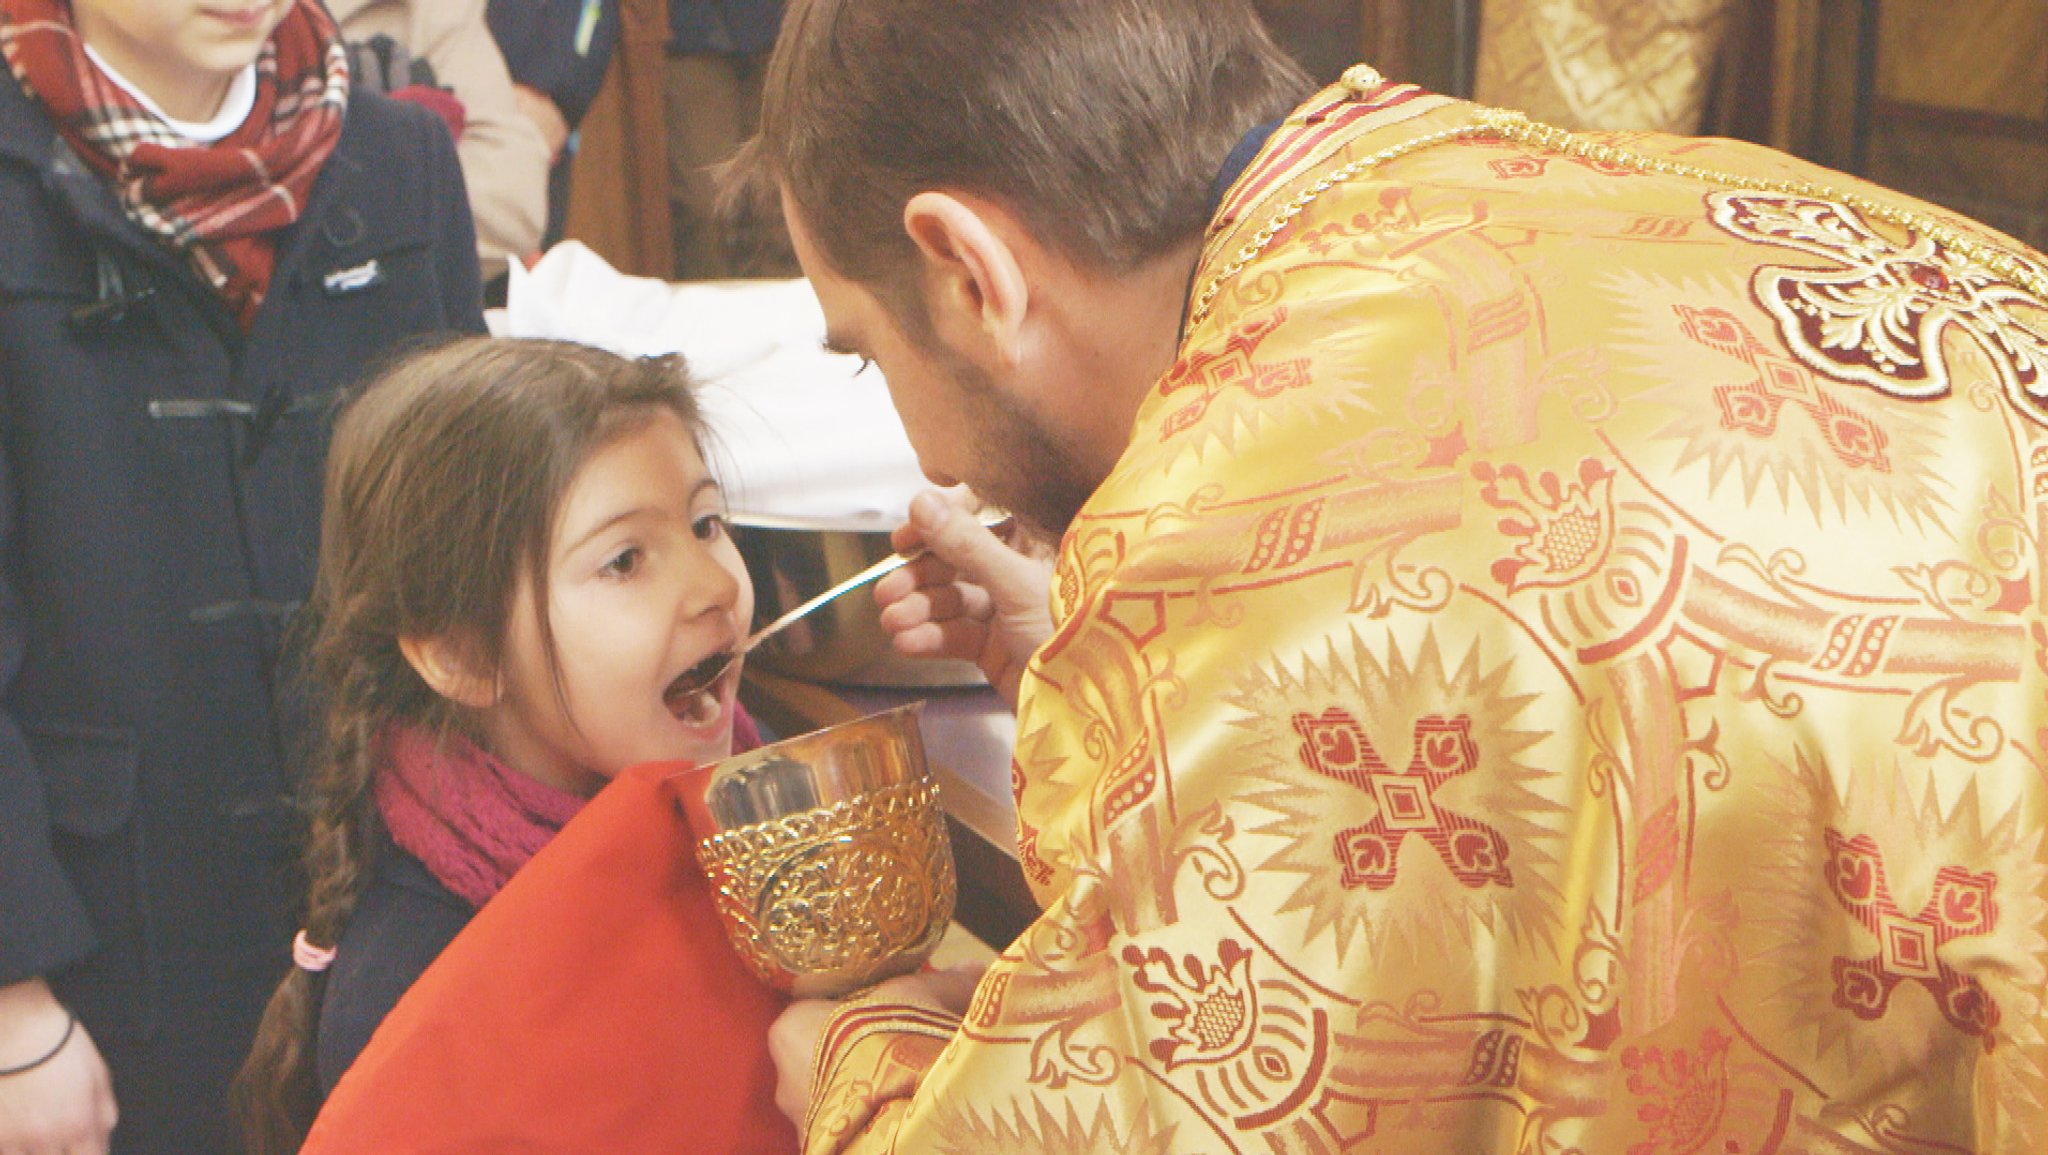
832,899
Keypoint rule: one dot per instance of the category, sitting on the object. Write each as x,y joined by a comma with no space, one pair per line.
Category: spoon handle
995,521
886,566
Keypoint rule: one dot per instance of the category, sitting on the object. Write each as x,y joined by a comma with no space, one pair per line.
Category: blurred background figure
717,52
505,156
558,52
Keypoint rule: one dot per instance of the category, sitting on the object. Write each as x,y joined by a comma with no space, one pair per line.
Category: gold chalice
828,853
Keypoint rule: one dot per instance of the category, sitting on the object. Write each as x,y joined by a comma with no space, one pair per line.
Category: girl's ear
447,667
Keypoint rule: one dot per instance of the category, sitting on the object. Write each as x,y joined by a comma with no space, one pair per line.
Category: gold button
1361,79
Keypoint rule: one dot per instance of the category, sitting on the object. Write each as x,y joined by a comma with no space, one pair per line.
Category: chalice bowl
827,854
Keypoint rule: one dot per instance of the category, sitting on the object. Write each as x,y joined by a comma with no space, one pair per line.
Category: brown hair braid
443,481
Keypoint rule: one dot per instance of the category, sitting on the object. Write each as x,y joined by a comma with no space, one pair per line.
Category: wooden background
1944,99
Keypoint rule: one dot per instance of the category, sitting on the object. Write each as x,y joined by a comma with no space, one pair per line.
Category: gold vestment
1560,667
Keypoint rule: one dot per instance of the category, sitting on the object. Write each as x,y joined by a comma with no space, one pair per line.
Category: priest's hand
63,1102
975,596
793,1040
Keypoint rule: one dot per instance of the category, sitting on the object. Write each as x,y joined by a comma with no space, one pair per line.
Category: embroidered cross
1880,311
1909,946
1754,406
1336,746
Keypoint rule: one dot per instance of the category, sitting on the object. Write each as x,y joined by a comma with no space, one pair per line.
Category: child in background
525,586
206,233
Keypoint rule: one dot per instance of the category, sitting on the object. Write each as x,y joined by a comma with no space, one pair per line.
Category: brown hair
1101,122
443,481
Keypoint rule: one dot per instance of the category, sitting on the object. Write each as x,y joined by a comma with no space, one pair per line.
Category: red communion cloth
594,1005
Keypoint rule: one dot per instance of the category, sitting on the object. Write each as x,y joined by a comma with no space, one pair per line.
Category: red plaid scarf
220,205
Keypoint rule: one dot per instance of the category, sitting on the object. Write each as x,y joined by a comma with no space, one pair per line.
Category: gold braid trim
1510,125
870,1016
1264,237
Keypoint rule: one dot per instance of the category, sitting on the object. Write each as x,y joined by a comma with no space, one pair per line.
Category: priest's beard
1019,461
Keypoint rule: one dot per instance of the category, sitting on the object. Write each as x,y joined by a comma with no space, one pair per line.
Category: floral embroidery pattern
1685,1093
1565,529
1210,1011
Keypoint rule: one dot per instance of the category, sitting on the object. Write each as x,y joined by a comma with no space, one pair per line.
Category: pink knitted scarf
471,819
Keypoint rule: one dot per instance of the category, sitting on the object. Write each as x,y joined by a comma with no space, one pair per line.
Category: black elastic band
70,1028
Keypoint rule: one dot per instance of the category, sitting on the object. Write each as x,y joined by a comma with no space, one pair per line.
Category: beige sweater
504,159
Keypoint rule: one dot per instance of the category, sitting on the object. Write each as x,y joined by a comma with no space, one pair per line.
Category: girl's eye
710,527
623,564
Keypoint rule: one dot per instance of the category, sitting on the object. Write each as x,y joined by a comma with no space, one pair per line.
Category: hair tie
70,1028
309,958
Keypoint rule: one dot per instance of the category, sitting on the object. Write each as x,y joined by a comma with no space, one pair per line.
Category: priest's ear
974,276
450,668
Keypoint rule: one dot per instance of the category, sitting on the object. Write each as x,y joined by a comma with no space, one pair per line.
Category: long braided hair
443,480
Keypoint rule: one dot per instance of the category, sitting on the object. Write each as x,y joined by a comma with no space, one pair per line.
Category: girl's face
182,53
645,589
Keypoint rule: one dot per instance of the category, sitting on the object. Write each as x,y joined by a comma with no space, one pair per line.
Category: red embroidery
1209,1012
1499,320
1909,946
1285,536
1878,313
1659,851
986,1008
1686,1093
1755,406
1519,167
1496,1060
1566,530
1131,781
1336,746
1035,867
1856,644
1211,374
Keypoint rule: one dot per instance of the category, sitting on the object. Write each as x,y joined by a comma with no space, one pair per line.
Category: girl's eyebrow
598,530
834,343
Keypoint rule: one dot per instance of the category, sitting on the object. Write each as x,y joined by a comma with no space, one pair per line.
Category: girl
525,586
206,234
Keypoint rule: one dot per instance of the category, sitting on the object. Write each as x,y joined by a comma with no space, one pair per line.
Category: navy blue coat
403,920
160,478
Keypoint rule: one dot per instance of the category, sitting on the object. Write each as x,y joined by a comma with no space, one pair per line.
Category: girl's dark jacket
160,478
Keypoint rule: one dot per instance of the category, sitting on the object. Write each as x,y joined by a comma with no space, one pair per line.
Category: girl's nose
709,585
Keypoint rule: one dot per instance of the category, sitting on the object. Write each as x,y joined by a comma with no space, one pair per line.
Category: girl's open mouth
697,696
